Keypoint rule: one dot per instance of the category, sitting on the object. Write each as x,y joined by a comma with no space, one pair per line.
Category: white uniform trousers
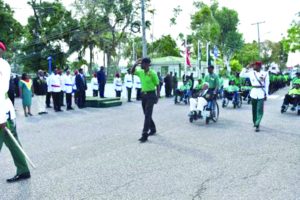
197,104
41,99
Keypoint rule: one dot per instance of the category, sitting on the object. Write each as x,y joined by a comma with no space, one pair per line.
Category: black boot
144,137
19,177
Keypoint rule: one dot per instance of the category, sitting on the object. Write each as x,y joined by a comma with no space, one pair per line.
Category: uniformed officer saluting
7,119
150,94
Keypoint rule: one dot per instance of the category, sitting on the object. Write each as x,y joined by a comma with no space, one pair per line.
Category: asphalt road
94,154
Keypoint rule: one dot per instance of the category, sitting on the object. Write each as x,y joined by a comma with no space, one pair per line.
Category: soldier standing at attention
150,94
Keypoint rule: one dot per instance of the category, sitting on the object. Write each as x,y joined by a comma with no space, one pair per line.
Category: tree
165,46
47,34
11,29
235,66
248,53
292,42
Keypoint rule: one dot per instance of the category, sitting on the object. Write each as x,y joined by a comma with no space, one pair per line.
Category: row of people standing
130,81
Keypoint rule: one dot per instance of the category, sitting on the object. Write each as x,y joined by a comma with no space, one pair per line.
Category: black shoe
30,114
45,112
70,108
144,138
257,129
152,133
40,113
19,177
59,110
49,107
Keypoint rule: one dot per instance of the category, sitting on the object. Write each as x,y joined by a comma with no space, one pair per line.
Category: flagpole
199,59
207,53
185,55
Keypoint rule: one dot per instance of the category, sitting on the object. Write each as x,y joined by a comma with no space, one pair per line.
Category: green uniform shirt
294,91
149,80
198,86
212,80
246,88
295,80
232,88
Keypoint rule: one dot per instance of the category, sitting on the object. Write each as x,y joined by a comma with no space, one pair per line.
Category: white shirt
68,81
55,83
74,85
128,80
137,82
118,84
263,77
94,83
49,88
4,86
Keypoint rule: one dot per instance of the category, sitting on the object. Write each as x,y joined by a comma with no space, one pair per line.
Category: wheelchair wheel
239,105
215,112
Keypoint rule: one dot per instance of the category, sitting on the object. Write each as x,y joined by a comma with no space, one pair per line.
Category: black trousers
11,96
129,93
148,101
138,94
61,100
101,89
118,93
81,99
288,99
48,99
69,100
56,100
95,93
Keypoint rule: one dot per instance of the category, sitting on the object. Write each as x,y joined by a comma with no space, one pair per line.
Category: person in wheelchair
199,101
183,92
293,97
231,93
245,89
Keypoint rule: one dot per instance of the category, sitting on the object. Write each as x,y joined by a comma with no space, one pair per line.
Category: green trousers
257,110
18,157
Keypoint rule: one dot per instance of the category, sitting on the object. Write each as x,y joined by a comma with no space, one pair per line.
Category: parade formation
207,115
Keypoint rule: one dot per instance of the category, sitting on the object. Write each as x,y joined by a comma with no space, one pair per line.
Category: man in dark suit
80,81
101,76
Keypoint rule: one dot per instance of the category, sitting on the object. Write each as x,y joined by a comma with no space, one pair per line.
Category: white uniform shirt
137,82
49,88
55,83
68,81
259,93
128,81
94,83
4,85
62,82
74,85
118,84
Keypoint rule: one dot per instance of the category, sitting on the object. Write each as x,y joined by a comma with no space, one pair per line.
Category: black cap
211,66
146,61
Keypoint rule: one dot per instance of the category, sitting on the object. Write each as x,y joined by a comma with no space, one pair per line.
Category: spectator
40,90
25,86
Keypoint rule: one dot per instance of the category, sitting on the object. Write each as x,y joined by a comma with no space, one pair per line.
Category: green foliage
235,66
165,46
248,53
47,31
11,30
292,42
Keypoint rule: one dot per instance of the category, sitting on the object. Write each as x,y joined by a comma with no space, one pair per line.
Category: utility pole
199,58
144,29
258,35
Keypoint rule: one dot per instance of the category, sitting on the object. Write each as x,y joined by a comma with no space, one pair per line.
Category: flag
187,57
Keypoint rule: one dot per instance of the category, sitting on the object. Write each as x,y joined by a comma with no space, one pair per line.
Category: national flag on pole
188,57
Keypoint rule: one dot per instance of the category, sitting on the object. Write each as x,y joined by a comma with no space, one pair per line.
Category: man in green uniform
7,120
150,94
293,97
212,79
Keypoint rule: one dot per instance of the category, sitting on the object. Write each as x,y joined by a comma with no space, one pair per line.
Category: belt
149,92
55,85
258,86
68,84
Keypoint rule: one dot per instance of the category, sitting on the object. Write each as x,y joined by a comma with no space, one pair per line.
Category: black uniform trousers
129,93
48,99
69,100
138,94
148,101
56,100
81,98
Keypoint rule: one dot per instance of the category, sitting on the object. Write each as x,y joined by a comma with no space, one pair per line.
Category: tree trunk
91,59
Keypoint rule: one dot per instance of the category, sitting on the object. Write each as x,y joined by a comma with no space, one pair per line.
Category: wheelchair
184,96
209,113
235,97
295,105
245,94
